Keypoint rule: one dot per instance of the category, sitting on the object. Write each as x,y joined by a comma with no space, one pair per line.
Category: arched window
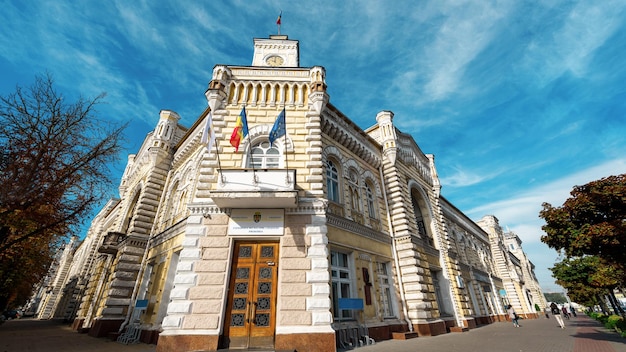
172,207
332,181
419,219
264,156
371,203
131,212
355,193
181,206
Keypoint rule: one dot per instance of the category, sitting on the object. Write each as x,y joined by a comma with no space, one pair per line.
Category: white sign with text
257,222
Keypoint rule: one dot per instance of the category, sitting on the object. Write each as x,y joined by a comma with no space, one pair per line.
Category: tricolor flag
208,135
279,127
279,16
241,130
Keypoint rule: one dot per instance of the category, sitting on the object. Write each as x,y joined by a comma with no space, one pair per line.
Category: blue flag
279,127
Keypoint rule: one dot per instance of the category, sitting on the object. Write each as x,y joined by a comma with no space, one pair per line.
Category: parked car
11,314
28,313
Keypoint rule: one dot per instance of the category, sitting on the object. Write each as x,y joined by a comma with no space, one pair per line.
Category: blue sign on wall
351,303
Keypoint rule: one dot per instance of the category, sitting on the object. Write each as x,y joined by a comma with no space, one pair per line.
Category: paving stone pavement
581,334
32,335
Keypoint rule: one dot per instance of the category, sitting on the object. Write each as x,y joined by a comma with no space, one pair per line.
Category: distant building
51,297
522,289
331,236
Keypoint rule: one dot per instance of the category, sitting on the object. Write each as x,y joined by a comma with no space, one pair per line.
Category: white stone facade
360,224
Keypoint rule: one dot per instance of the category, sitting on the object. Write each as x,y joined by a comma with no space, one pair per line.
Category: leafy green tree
54,158
555,297
590,229
586,279
590,222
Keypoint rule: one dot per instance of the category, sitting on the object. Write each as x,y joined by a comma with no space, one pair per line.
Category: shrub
611,321
594,315
603,319
618,323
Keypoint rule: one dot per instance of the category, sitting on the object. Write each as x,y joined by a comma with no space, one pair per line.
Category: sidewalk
581,334
32,335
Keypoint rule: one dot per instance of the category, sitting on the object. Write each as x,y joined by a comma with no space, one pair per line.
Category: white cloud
462,178
522,211
467,30
585,29
520,214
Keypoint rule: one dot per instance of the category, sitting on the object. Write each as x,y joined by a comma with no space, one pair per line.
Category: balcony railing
255,188
335,208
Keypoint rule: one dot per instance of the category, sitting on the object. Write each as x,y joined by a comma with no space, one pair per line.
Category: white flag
208,135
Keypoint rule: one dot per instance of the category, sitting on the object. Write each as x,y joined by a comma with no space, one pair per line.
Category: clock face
274,60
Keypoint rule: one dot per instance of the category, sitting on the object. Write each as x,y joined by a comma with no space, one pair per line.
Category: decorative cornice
411,154
349,135
238,73
351,226
168,233
306,206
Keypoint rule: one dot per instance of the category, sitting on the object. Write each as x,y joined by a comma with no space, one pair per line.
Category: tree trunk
617,307
602,304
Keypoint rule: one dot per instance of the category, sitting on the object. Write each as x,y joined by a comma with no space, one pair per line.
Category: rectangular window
437,276
386,292
341,283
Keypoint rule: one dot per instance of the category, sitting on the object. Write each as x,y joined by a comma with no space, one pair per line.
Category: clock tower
277,51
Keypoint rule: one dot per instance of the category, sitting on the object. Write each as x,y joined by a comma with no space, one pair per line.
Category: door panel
251,307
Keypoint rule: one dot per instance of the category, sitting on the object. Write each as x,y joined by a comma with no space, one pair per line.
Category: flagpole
254,177
286,158
210,137
219,162
217,151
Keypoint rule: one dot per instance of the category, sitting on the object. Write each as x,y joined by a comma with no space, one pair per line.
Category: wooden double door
250,320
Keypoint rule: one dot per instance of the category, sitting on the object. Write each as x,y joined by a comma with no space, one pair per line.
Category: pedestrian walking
571,308
514,317
547,312
565,312
557,314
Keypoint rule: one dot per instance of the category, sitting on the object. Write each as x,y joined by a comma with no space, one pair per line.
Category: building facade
309,234
521,287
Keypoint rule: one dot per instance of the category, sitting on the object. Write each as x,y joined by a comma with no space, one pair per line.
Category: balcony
111,242
260,188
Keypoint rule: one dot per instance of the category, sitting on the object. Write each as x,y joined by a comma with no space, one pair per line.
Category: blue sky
518,100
